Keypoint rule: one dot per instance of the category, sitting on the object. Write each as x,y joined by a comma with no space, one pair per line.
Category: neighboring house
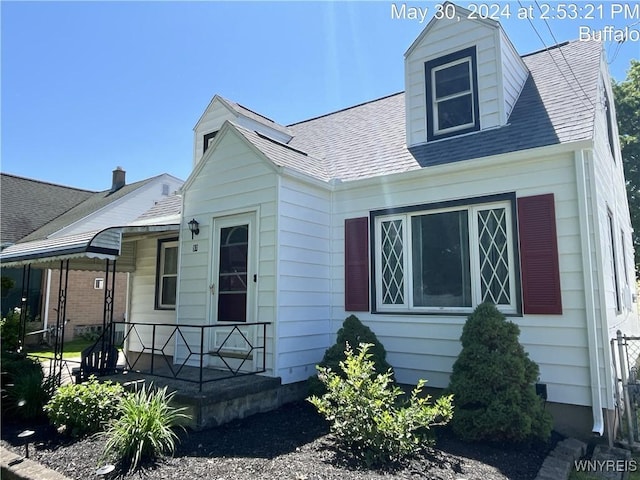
86,285
494,177
27,205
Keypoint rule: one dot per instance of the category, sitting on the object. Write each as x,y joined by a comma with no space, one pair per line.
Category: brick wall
85,303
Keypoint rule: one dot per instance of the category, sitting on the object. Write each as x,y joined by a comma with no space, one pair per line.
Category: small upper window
208,140
452,103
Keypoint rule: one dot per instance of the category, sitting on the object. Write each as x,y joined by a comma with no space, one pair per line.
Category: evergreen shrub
493,382
353,332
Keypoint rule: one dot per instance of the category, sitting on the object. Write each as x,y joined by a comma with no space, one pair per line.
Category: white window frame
162,247
436,101
474,259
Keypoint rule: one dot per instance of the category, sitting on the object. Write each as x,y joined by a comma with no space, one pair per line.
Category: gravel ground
289,443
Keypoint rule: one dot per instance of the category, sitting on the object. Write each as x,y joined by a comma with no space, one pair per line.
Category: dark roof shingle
28,204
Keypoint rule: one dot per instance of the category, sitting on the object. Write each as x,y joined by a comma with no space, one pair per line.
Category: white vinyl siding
514,74
426,346
304,283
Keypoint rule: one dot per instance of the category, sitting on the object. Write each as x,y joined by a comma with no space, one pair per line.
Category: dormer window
452,94
208,140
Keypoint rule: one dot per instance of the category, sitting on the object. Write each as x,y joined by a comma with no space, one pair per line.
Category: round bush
84,408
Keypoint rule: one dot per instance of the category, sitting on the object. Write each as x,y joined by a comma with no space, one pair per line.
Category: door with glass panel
233,292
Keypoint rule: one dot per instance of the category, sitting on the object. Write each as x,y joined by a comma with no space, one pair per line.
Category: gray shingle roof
284,155
29,204
166,207
556,105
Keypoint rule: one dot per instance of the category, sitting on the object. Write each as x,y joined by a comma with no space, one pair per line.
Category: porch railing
197,354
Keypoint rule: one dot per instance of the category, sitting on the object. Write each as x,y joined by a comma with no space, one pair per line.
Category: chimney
118,179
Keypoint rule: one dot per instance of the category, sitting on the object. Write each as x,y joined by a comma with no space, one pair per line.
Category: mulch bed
289,443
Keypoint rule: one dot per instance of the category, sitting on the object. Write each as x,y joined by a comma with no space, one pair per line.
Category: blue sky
88,86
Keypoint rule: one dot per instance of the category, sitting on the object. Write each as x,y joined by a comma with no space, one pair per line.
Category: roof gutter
584,171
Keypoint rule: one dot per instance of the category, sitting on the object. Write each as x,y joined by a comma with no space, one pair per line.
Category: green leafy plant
84,408
368,416
493,381
352,332
144,428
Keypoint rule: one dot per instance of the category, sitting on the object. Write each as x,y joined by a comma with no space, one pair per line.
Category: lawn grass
72,349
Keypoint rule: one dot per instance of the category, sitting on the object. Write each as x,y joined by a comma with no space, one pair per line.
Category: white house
493,177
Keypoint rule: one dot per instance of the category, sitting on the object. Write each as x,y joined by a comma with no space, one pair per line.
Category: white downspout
582,182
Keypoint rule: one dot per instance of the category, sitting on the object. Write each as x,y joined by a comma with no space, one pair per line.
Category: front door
233,290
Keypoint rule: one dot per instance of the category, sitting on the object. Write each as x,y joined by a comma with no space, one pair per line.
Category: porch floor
220,401
214,385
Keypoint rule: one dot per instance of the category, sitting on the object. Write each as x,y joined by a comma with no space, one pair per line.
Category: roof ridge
345,109
44,182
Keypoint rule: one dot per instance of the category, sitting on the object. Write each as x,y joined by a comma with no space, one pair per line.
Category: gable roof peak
461,13
238,111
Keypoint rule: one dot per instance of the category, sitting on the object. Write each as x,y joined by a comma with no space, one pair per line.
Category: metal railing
197,354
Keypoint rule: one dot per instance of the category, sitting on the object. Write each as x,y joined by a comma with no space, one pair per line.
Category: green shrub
84,408
144,429
25,389
15,365
28,395
10,331
493,382
367,416
353,332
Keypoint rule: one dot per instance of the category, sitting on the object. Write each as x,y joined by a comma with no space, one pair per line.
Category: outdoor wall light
194,227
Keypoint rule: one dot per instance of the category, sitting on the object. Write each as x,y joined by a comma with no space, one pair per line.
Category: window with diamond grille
493,247
446,258
392,262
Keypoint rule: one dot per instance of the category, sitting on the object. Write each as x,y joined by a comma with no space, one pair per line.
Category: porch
217,382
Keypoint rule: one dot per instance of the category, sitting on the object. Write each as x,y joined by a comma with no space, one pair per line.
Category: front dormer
221,110
462,75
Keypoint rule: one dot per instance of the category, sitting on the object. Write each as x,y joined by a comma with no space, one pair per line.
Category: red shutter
356,264
539,255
